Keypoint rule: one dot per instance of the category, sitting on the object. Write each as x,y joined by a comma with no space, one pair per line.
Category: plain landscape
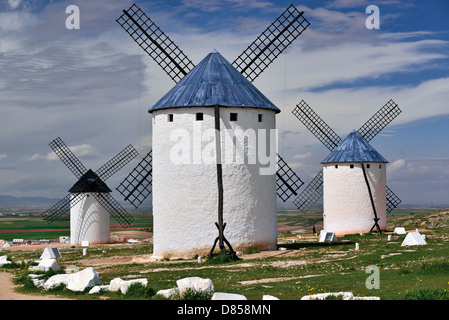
301,266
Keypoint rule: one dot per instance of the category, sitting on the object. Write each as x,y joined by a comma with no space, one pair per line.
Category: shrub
191,294
435,266
139,291
223,258
427,294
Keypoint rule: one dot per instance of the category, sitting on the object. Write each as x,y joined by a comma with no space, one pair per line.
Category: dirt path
7,290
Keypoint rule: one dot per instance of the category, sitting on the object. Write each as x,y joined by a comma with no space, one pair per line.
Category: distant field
35,228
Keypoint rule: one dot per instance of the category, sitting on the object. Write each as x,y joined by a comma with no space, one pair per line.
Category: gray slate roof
354,149
214,81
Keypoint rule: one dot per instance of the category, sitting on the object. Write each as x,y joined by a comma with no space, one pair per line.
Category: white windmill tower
184,173
213,110
89,200
354,194
354,188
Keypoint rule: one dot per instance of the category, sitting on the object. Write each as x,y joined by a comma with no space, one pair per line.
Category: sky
93,86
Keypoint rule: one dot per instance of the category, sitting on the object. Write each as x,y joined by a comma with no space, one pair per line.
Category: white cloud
83,151
34,157
16,21
13,4
419,171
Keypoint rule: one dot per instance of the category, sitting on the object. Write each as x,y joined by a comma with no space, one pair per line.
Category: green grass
418,272
35,228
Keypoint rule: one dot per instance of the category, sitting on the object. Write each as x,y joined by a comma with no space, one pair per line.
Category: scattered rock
167,293
50,253
4,260
323,296
81,280
46,265
268,297
343,295
123,285
56,280
97,289
227,296
78,281
195,284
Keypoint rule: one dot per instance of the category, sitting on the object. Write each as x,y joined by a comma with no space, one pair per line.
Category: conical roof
89,182
354,149
214,81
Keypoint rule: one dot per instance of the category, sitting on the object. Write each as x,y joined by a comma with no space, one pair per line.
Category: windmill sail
155,42
287,182
114,209
316,125
117,162
271,43
379,120
311,194
67,157
251,63
90,182
61,207
323,132
137,185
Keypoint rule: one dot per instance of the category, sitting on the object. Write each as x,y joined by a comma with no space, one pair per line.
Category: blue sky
93,86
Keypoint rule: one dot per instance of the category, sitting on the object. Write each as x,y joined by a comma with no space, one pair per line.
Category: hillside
9,202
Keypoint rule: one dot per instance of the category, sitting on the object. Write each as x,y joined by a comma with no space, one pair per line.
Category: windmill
89,200
314,190
251,63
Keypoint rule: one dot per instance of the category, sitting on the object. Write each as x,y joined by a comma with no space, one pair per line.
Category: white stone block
167,293
48,264
413,239
195,284
227,296
97,289
327,236
399,230
86,278
51,253
127,283
268,297
38,282
117,284
56,280
323,296
4,260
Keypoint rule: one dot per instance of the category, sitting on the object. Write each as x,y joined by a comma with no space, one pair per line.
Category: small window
351,166
199,116
233,117
380,166
367,165
259,117
170,117
336,166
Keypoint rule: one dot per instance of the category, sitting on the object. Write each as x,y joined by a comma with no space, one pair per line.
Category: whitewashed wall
346,202
185,194
89,221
